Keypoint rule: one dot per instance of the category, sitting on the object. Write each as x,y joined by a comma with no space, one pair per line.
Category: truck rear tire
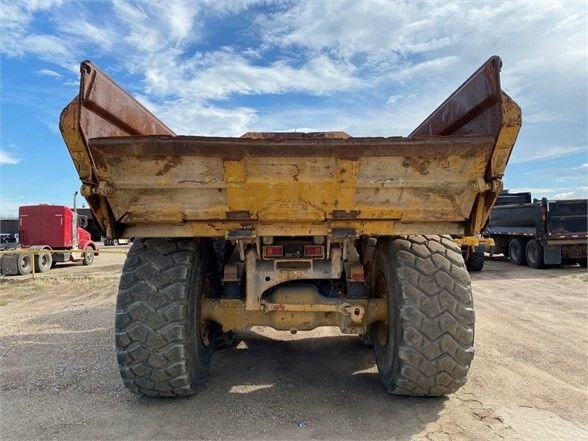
43,261
516,251
475,261
163,348
24,264
534,254
426,347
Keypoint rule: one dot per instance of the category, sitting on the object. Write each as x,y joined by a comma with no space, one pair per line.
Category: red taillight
314,251
273,251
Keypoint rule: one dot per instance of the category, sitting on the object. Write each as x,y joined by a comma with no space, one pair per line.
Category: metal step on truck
292,231
539,233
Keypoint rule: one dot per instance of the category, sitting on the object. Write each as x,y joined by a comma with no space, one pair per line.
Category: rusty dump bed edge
140,179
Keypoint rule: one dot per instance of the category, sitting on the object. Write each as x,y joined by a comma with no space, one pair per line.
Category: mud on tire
161,350
427,348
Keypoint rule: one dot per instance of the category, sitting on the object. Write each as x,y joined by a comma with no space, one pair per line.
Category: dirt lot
59,379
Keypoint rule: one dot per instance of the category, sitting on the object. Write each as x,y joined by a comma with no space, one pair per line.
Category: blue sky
227,67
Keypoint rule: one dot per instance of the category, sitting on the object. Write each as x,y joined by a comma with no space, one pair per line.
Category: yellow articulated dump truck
293,231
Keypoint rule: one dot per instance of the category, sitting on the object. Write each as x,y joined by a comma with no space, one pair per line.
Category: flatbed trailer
293,231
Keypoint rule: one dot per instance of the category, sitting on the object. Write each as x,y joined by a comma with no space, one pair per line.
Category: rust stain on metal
419,164
341,214
238,214
172,162
444,177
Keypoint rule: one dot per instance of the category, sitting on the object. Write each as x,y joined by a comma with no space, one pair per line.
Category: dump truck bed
550,221
140,179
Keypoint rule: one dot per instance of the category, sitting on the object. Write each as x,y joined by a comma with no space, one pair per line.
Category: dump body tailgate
567,220
443,178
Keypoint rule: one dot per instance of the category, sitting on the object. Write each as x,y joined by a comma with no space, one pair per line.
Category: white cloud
544,116
532,190
220,74
8,158
426,68
9,207
49,73
548,152
431,46
189,118
357,52
17,37
564,195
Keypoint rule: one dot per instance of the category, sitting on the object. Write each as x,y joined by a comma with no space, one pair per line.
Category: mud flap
9,265
552,254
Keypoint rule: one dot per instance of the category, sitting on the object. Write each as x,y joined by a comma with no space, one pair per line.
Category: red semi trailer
54,233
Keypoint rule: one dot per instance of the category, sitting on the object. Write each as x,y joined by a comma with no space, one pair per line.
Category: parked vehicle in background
54,233
113,242
540,232
8,241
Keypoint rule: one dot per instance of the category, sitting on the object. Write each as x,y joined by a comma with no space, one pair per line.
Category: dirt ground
59,378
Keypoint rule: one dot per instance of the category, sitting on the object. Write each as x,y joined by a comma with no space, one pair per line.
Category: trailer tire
475,261
163,349
534,254
24,264
43,261
516,251
427,346
88,256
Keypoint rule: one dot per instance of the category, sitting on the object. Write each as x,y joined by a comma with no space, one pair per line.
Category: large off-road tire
475,261
516,251
534,254
164,349
426,347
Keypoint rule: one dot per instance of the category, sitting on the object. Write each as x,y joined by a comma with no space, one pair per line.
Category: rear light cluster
314,251
273,251
309,251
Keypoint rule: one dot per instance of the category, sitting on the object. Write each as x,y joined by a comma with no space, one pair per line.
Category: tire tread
152,326
435,346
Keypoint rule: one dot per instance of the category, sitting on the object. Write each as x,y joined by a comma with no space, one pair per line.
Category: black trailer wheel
164,349
426,346
516,251
43,261
88,256
534,254
24,263
475,261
